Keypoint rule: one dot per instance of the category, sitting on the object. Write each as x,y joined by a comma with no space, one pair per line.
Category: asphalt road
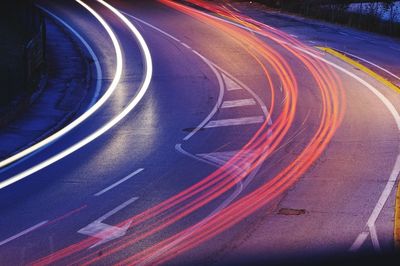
245,146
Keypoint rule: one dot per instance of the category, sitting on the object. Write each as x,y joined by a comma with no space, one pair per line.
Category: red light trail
265,141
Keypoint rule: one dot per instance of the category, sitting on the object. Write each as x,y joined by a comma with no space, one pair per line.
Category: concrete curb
90,73
360,66
78,97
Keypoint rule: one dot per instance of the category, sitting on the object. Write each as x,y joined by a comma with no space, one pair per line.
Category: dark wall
19,22
336,11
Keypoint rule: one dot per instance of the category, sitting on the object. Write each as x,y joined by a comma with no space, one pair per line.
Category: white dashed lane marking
235,121
238,103
105,232
118,182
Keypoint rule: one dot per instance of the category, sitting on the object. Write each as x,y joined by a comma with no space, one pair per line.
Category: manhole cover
288,211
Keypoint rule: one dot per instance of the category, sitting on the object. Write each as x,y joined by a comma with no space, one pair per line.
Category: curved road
247,145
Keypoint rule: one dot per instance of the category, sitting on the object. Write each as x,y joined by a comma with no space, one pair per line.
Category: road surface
246,145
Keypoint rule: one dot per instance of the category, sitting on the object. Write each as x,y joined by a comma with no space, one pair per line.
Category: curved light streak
223,179
143,89
94,107
218,183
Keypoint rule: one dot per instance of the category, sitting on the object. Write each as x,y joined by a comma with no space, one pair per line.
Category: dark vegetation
336,11
21,50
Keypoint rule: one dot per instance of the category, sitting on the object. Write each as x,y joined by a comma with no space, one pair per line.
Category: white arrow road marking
235,121
26,231
238,103
230,84
119,182
106,232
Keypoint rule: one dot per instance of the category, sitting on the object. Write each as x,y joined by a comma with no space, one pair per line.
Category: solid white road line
143,89
396,169
119,182
255,96
208,62
22,233
178,147
238,103
94,106
219,100
229,78
221,158
235,121
374,238
361,238
389,106
396,116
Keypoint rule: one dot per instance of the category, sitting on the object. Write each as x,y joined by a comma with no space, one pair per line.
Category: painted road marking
178,147
212,66
397,220
119,182
221,158
219,75
383,99
361,238
361,67
374,238
22,233
238,103
396,116
255,96
140,94
235,121
372,64
106,232
230,84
